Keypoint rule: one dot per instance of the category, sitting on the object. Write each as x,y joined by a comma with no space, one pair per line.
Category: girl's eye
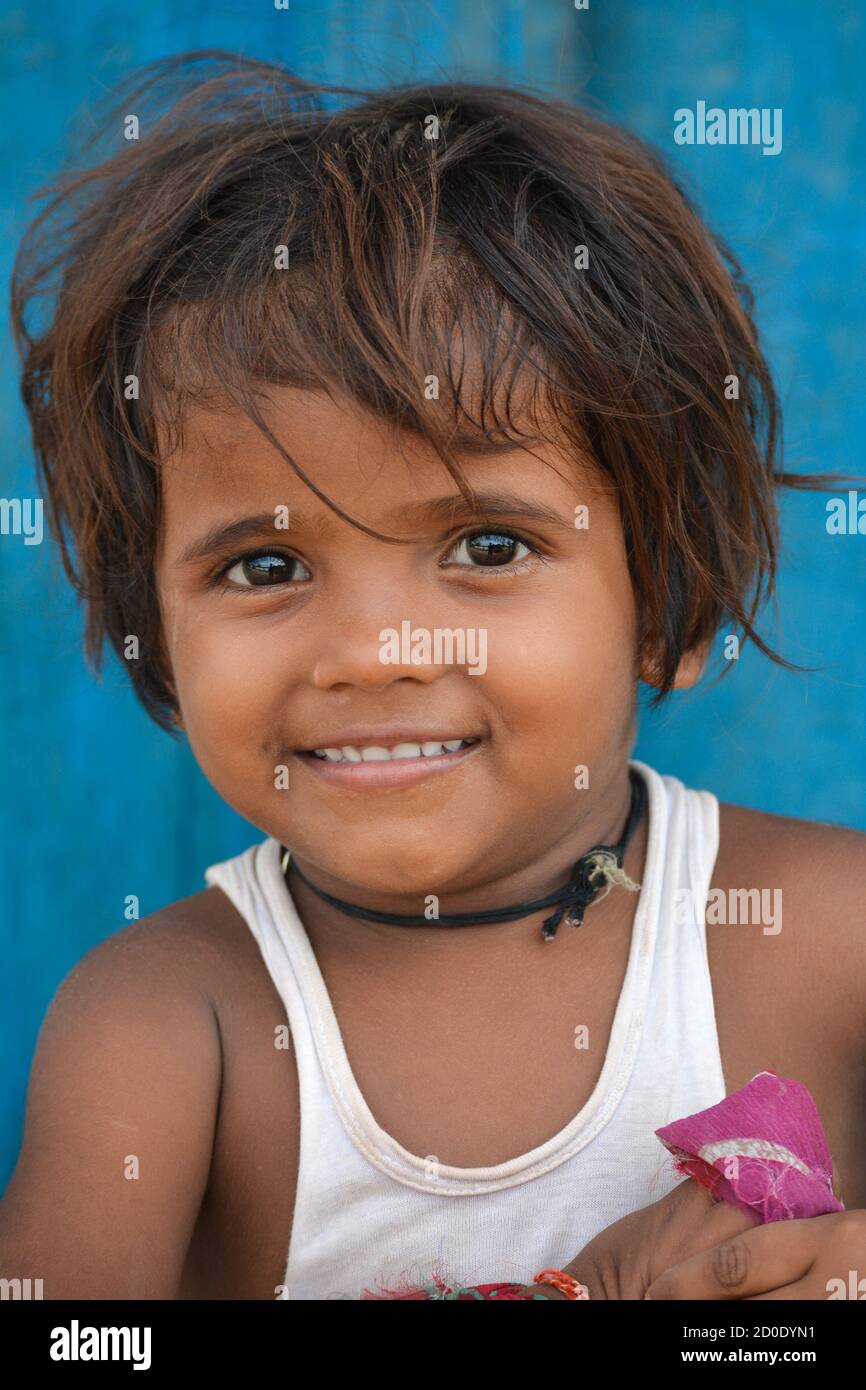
266,570
491,549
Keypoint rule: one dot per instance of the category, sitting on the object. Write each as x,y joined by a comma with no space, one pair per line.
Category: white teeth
373,753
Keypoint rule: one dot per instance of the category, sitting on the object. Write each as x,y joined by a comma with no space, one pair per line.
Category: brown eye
267,569
489,548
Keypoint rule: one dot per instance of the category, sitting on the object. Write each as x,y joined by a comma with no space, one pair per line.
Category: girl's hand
623,1260
785,1259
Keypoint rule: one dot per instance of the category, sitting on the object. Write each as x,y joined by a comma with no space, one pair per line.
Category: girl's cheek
217,662
570,653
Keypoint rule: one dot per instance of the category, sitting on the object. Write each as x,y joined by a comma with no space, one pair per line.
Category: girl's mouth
388,764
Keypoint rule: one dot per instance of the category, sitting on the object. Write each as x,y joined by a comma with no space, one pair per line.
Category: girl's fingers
721,1221
754,1262
727,1221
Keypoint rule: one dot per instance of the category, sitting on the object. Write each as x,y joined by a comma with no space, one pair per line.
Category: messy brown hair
416,221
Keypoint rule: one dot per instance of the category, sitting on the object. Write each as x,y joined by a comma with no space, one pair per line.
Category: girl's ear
689,671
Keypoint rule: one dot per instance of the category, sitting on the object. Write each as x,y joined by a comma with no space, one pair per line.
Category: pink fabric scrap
762,1149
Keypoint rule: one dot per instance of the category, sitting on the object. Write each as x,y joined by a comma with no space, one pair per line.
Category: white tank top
369,1214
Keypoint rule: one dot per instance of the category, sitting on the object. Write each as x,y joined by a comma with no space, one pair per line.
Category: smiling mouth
386,752
388,765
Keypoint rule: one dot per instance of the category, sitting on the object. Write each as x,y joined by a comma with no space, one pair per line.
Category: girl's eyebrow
228,533
486,505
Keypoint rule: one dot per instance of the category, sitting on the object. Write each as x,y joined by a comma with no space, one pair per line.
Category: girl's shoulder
786,945
157,1060
792,893
121,1106
816,870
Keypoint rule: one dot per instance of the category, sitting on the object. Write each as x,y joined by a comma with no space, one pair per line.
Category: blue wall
99,803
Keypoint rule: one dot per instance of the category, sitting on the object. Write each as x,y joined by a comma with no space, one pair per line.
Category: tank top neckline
622,1049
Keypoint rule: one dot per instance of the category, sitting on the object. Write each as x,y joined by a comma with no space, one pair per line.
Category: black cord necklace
599,866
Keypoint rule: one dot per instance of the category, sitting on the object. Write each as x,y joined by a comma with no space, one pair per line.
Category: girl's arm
119,1126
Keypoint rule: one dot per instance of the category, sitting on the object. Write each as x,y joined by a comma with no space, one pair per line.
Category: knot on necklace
600,869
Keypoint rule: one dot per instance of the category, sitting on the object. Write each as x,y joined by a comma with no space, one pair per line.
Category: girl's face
524,623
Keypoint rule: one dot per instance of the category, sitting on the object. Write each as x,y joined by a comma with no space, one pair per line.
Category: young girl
391,447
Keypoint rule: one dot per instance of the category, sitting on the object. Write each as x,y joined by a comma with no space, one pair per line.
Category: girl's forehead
348,452
308,423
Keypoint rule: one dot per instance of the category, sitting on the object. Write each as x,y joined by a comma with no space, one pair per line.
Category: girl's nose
376,657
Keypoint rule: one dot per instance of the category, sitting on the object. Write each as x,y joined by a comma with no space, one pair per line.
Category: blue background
98,803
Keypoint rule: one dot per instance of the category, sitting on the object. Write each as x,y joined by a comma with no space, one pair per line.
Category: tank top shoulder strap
680,1028
254,883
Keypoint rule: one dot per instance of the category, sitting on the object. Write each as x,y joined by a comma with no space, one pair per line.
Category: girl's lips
380,775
